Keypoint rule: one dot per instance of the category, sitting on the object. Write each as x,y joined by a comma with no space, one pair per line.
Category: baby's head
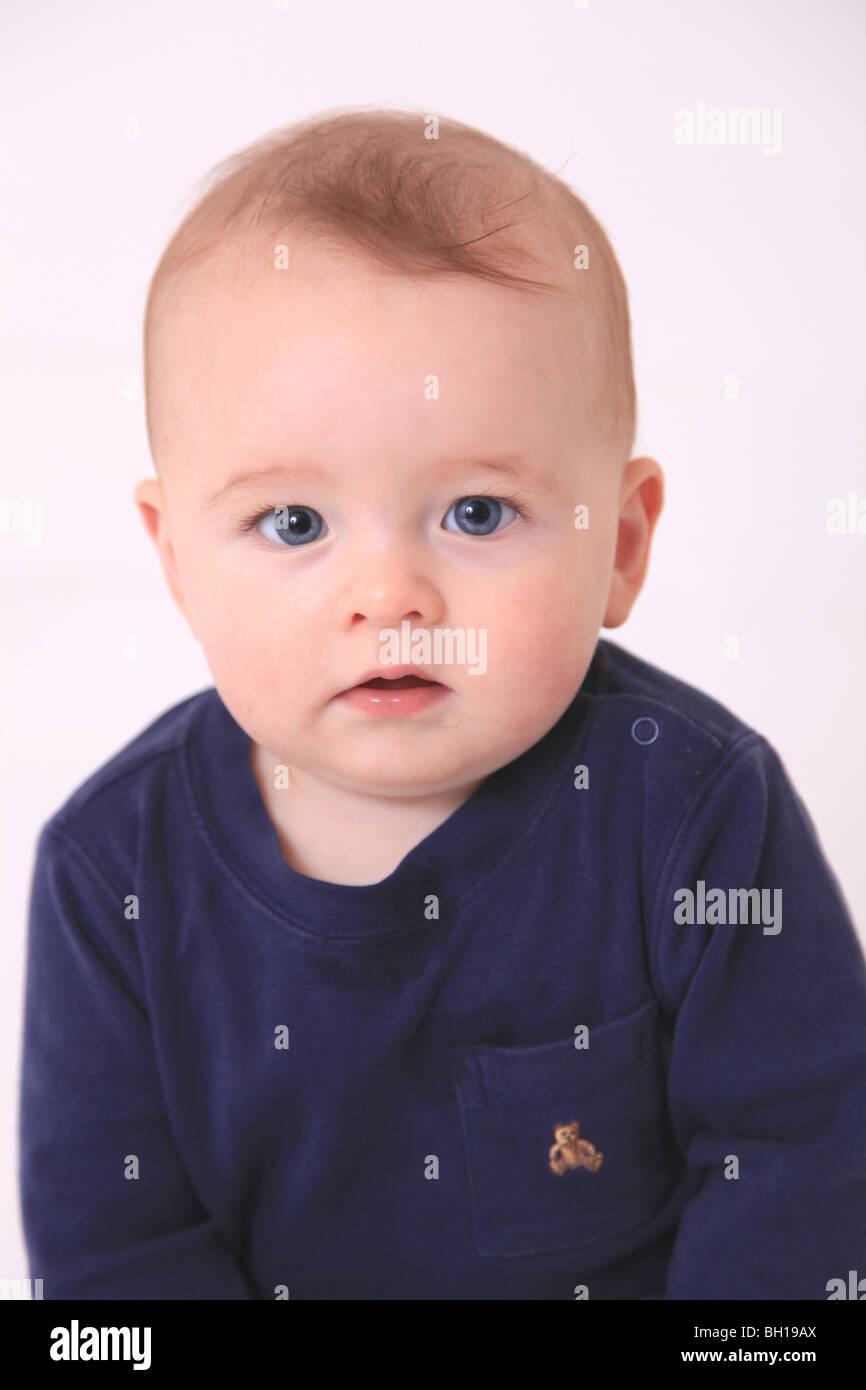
388,393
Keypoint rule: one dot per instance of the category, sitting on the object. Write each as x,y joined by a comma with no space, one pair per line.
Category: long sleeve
92,1115
767,1079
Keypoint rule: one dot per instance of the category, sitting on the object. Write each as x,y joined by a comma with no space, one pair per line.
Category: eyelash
514,501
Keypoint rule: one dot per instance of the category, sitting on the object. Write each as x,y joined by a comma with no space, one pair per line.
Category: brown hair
376,179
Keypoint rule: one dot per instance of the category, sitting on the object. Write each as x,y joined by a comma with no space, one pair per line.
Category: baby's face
374,409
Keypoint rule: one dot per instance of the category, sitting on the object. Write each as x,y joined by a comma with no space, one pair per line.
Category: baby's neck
339,836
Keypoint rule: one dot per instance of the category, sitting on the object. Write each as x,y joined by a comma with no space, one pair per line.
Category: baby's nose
390,588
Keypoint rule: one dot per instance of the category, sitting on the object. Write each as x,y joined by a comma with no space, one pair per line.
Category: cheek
541,640
550,614
237,624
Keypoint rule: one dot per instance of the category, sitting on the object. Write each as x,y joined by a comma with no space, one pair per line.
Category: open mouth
395,683
399,696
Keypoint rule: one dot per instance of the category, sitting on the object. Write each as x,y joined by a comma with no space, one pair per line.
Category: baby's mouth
402,695
395,683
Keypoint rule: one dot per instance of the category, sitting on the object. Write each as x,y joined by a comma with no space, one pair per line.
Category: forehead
251,357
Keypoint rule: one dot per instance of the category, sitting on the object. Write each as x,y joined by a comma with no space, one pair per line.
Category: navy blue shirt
239,1082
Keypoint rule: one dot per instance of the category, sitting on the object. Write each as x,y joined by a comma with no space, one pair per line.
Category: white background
737,263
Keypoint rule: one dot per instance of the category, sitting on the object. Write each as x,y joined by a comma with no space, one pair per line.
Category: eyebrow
513,466
261,477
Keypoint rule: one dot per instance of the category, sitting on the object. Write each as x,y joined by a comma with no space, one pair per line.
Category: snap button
645,730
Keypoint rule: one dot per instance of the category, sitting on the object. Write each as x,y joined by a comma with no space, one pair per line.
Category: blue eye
292,525
478,516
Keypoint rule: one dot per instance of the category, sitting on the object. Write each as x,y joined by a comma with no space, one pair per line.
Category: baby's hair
374,179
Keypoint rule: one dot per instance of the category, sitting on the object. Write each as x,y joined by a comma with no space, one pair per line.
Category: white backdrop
743,262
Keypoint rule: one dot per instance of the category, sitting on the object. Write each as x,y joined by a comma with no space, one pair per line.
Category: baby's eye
292,525
478,516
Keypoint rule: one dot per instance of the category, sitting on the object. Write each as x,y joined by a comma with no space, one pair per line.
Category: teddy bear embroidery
570,1151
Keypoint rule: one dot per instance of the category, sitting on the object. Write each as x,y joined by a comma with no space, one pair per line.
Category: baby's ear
641,501
150,501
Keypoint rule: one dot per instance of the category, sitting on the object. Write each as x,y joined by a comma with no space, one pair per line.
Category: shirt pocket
511,1101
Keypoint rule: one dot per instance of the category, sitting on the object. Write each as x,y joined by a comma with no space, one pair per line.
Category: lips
398,683
405,694
402,678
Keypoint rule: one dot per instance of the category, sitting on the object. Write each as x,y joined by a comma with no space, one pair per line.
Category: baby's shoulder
646,723
619,684
139,784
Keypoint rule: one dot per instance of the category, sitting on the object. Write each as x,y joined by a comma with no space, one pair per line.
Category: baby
440,949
